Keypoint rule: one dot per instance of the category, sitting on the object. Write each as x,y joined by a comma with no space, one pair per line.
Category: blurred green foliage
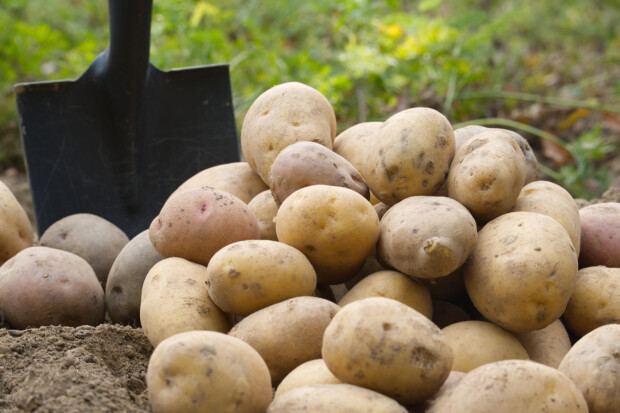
370,58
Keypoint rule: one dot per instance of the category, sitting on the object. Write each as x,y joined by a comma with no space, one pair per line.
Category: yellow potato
265,209
548,345
16,229
352,143
309,373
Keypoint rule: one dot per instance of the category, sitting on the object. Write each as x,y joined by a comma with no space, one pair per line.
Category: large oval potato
522,272
123,290
93,238
336,228
196,223
386,346
307,374
411,157
593,363
285,114
42,286
16,229
548,345
265,209
427,236
288,333
206,371
175,299
246,276
600,243
512,386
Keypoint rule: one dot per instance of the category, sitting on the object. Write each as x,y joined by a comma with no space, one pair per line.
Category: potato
595,301
487,174
265,209
309,373
392,284
334,398
285,114
512,386
93,238
246,276
475,343
522,272
548,345
16,229
551,199
288,333
206,371
386,346
426,236
593,363
381,209
446,313
462,135
336,228
236,178
123,288
308,163
600,243
175,300
42,286
412,156
194,224
352,143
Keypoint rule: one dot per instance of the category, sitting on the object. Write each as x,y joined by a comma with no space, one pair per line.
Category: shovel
117,141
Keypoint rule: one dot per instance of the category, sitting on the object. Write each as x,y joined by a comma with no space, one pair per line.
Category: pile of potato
399,266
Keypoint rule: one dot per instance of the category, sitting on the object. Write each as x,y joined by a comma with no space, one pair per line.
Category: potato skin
175,300
600,243
512,386
522,272
16,229
93,238
334,398
288,333
420,134
548,345
594,302
265,209
307,374
194,224
426,236
386,346
206,371
308,163
352,143
123,288
487,174
593,363
285,114
246,276
42,286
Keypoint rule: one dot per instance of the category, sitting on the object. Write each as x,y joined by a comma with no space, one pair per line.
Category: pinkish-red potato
600,235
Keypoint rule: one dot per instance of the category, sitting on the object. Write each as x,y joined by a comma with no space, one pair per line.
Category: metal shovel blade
120,139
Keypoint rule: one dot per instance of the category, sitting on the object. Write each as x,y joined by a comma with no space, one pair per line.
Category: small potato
196,223
475,343
16,229
336,228
462,135
206,371
512,386
551,199
522,272
596,300
334,398
394,285
446,313
593,363
548,345
308,163
123,288
384,345
426,236
246,276
42,286
352,143
487,174
93,238
285,114
236,178
175,299
307,374
411,157
265,209
288,333
600,242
